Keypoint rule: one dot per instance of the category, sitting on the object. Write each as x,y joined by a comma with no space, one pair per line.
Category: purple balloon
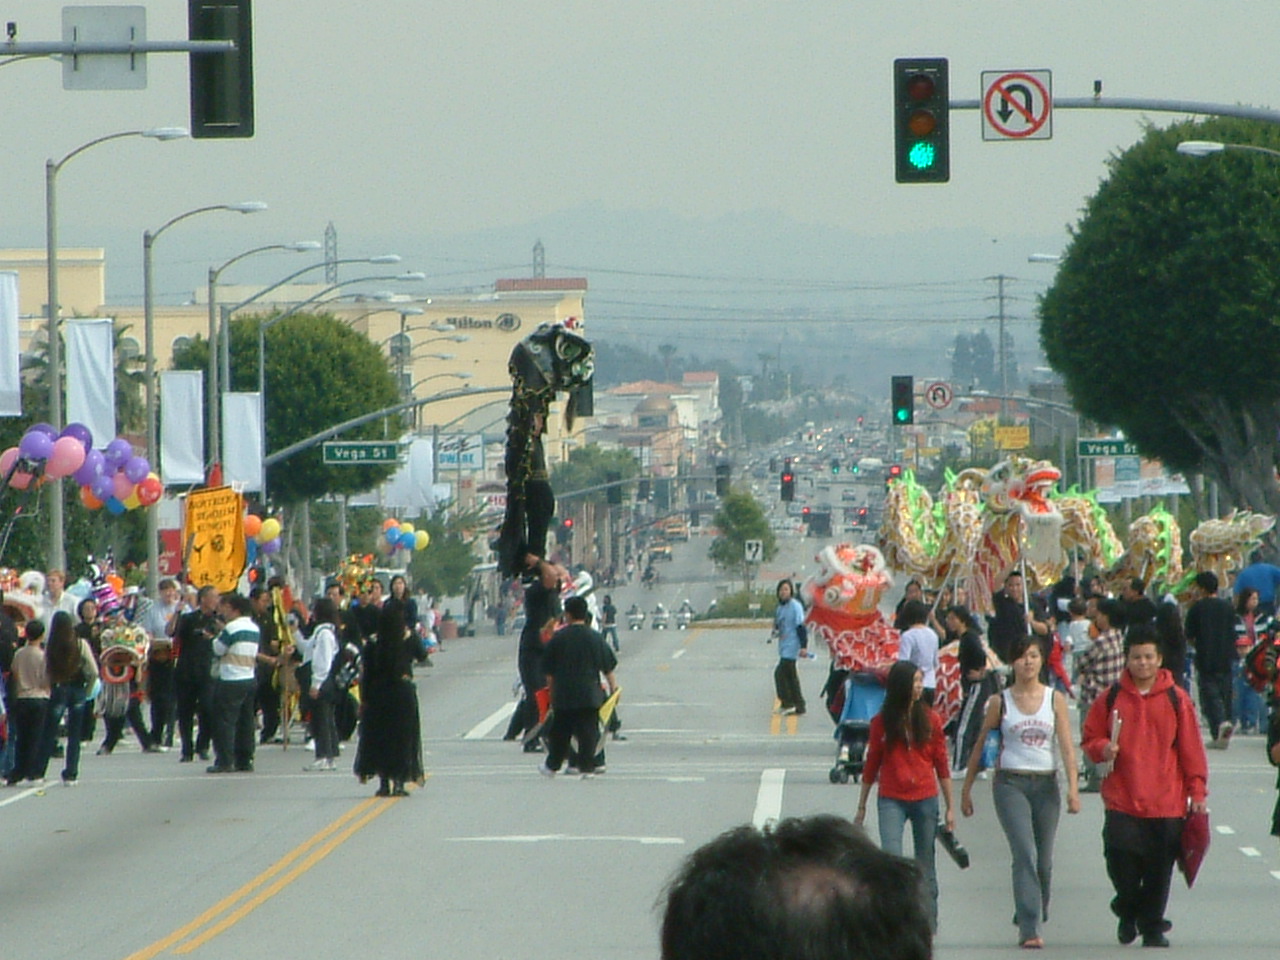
91,469
81,433
36,445
136,469
118,452
271,546
103,487
44,428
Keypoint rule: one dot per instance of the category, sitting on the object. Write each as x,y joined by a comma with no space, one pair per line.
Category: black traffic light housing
613,493
722,479
642,490
902,396
921,120
221,83
564,532
787,489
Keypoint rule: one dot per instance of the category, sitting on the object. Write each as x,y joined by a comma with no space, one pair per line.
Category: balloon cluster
263,536
401,536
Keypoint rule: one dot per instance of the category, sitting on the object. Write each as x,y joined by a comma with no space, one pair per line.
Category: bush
735,605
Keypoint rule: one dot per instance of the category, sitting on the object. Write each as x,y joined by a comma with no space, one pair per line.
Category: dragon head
1020,483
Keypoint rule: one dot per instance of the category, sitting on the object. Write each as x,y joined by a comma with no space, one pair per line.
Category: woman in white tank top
1034,732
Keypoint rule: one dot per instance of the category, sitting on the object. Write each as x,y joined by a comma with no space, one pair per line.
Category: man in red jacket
1145,726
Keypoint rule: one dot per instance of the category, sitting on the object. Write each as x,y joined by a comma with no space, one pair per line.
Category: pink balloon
7,460
122,486
20,481
67,457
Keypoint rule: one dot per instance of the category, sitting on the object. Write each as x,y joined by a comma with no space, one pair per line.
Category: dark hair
1112,609
1242,598
1077,607
33,630
1207,581
914,613
391,622
961,612
168,583
324,610
1138,585
207,589
81,605
905,720
576,608
1011,574
777,591
240,604
257,592
1021,644
392,588
62,649
336,585
1140,634
812,888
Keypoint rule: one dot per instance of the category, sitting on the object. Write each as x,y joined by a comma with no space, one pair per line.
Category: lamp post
57,549
149,238
1204,148
215,418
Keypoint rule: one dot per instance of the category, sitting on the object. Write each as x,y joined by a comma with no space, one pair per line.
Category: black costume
390,745
193,680
574,659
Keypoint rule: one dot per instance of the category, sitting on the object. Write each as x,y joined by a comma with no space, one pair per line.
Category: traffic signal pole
1098,102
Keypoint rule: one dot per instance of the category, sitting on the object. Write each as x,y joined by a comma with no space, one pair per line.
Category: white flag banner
410,487
10,376
242,439
181,427
91,376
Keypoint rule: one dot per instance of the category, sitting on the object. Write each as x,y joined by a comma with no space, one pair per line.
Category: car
660,551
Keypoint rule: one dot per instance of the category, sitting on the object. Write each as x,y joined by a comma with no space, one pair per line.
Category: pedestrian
89,628
1173,643
1015,615
977,683
1250,713
812,888
322,686
1034,730
914,590
541,607
27,703
159,621
1273,754
1211,629
266,693
236,648
788,627
609,621
193,676
390,746
1262,577
919,644
72,670
907,756
400,591
1098,666
1145,727
575,659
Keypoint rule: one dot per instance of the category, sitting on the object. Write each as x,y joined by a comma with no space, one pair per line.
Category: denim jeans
69,700
1028,806
893,816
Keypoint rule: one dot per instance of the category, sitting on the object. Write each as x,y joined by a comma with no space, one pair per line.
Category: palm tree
667,351
130,380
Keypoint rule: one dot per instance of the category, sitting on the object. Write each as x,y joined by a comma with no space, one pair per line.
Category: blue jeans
923,814
69,700
1250,711
1028,806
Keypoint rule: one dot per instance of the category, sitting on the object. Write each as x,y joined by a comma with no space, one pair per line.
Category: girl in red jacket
907,755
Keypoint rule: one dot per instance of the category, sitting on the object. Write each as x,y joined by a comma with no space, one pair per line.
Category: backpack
1114,690
1260,664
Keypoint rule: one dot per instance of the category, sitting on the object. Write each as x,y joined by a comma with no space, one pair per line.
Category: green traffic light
922,155
900,415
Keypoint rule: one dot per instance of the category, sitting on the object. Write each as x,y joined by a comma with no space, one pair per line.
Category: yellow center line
146,953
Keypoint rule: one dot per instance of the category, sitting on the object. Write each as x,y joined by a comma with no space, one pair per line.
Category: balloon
392,536
132,502
271,546
67,457
150,489
384,546
89,470
81,433
118,452
89,500
252,524
406,527
121,487
7,460
45,428
20,480
390,522
114,507
35,445
136,469
251,552
421,539
103,487
270,530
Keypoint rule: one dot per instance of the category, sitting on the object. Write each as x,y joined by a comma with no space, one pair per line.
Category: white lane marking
1276,874
29,792
1223,829
1251,851
679,653
489,723
563,838
769,797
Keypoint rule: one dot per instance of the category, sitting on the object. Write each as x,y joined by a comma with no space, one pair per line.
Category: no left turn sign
1017,104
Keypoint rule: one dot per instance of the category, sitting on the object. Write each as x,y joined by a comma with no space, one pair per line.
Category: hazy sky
707,138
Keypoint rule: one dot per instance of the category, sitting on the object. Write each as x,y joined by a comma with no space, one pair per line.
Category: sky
696,160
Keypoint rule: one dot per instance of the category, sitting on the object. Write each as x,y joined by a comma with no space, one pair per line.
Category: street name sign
1017,104
1106,447
358,453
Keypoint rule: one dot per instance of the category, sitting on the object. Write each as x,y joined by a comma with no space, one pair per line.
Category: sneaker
71,782
588,776
1127,931
545,770
787,711
1225,730
1155,939
571,770
318,765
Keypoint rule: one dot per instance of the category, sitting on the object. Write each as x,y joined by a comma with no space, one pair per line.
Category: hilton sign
507,322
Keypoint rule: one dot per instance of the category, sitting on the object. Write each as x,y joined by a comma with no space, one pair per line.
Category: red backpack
1260,665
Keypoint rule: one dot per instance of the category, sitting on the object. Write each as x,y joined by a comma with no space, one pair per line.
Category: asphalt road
150,858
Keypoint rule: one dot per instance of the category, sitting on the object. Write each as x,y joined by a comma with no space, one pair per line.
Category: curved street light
1204,148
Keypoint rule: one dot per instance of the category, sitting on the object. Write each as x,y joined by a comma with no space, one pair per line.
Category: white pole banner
242,439
10,375
182,427
91,376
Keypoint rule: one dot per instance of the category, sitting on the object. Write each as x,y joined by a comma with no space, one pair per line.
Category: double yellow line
271,881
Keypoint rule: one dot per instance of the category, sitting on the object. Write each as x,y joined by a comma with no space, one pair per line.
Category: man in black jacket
193,676
573,662
1211,629
1013,619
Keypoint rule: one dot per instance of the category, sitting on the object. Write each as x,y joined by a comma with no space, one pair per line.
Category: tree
319,373
1164,308
590,466
445,566
739,519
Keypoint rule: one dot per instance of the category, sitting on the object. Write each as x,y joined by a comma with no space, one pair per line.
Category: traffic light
788,487
862,511
722,479
221,84
662,493
835,465
642,490
613,493
854,468
859,421
921,121
564,532
804,514
902,395
895,471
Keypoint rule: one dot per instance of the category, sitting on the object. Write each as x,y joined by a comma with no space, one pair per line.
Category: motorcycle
683,619
661,619
635,619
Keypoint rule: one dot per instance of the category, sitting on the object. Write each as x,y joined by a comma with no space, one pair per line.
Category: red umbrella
1194,846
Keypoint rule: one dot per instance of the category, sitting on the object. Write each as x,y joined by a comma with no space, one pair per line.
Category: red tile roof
539,284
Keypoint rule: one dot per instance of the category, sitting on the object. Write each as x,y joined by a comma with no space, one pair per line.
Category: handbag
1193,845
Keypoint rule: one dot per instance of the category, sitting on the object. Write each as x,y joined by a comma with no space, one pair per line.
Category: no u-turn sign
1017,104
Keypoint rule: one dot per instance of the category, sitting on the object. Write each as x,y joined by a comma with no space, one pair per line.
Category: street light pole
53,311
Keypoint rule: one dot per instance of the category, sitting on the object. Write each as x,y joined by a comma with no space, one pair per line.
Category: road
150,858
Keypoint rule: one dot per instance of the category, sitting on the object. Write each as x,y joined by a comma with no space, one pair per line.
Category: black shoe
384,790
203,754
399,791
217,769
152,749
186,758
244,768
534,747
1156,939
1127,931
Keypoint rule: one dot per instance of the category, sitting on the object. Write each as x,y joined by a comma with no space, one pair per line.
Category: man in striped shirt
236,648
1098,666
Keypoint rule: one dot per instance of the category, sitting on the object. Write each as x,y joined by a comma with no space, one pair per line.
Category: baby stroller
863,697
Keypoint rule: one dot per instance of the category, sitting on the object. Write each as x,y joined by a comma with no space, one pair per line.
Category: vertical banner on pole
242,439
90,376
10,375
181,427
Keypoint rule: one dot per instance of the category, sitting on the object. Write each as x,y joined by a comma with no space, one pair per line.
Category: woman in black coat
390,746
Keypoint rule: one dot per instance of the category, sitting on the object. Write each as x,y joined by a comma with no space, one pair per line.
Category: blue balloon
115,506
393,536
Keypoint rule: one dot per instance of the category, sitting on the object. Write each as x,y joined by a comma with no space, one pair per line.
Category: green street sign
356,453
1106,447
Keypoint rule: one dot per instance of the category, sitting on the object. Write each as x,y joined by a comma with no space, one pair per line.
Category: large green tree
739,519
590,466
319,373
1163,313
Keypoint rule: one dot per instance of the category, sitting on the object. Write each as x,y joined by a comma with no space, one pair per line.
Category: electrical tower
330,254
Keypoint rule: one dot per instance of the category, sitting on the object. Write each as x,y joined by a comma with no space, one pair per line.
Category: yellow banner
1013,438
213,543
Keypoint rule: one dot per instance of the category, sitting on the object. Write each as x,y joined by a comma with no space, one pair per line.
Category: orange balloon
117,583
252,524
89,500
389,523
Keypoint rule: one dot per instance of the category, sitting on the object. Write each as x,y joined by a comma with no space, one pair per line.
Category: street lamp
215,424
149,238
57,550
460,375
1203,148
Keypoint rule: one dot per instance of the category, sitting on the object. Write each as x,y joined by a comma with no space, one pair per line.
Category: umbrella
1194,845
